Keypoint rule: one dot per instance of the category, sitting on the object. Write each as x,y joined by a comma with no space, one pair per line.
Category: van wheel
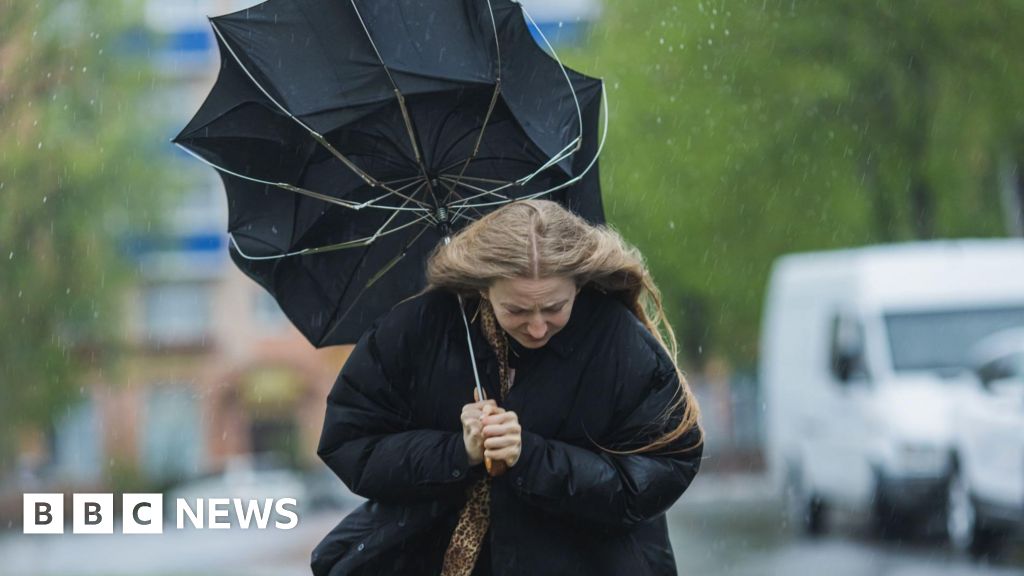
965,530
805,510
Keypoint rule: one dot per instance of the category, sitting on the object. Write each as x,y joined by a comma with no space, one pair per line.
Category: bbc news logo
144,513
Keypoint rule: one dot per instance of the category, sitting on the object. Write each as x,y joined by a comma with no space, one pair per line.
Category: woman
594,425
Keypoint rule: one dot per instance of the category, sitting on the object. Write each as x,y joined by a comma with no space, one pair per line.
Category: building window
177,313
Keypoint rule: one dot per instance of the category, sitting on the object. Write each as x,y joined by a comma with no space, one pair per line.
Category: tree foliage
75,175
743,130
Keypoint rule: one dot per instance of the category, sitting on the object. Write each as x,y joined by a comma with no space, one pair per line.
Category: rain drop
39,146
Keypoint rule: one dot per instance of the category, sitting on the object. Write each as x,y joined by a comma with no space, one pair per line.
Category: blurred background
863,401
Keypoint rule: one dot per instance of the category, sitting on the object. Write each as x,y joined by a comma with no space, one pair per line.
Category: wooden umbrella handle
498,468
495,469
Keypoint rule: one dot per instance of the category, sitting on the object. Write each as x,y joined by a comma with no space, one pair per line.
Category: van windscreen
943,340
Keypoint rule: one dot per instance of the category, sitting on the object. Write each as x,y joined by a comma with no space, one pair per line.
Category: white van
862,364
986,489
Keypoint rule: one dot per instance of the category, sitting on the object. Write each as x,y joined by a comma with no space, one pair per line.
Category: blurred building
214,368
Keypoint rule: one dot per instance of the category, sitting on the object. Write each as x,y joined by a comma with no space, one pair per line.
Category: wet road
734,527
722,526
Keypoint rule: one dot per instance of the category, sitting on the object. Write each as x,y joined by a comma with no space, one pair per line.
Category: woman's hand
502,436
472,427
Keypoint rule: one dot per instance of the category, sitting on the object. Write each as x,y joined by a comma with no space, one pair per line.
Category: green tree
75,176
744,130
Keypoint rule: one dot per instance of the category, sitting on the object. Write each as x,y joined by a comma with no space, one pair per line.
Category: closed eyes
548,310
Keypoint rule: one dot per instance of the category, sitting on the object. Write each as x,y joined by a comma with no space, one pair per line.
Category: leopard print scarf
474,519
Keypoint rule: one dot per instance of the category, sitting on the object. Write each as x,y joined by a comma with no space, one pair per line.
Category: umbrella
354,135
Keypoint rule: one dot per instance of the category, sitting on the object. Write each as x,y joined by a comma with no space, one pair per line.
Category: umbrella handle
495,469
498,468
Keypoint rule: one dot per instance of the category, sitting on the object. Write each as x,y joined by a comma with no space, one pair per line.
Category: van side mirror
1003,370
847,349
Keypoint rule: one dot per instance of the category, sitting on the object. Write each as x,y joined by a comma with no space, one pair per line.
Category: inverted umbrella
352,136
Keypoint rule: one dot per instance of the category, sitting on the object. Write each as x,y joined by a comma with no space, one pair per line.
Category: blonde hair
541,239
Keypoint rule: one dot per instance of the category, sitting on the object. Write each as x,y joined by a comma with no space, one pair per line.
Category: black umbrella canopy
353,135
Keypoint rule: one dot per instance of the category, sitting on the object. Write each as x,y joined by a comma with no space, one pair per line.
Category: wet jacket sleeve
369,439
619,490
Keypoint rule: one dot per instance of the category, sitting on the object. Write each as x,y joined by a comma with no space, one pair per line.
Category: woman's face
532,311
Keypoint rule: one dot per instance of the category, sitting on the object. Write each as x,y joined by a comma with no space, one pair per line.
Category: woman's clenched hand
502,436
472,427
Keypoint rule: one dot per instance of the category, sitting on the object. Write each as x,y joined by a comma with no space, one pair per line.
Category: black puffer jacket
392,433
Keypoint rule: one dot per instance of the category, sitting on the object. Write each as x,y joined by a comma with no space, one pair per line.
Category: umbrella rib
399,180
570,182
497,45
391,263
479,179
306,192
571,148
464,216
370,180
401,100
490,108
558,157
369,203
380,231
482,191
579,111
451,191
480,134
398,192
565,184
329,248
298,189
460,209
380,273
